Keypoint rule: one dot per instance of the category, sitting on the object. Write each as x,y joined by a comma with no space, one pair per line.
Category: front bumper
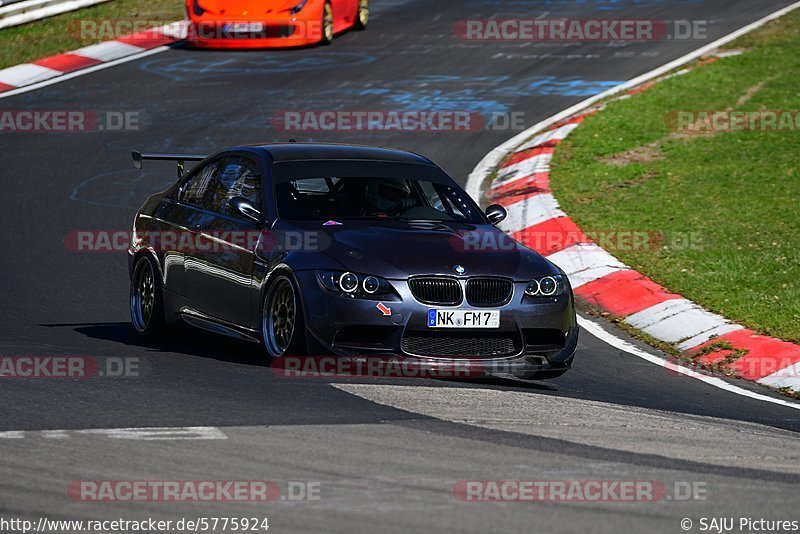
543,332
275,32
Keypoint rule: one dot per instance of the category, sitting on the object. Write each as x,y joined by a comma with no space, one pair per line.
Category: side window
195,188
443,198
432,194
238,177
459,206
315,185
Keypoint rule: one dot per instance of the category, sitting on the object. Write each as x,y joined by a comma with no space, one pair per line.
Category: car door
220,271
177,216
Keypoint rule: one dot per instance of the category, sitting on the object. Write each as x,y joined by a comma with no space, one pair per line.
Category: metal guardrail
16,12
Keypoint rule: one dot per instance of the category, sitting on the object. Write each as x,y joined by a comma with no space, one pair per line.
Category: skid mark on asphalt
202,66
129,187
603,425
484,93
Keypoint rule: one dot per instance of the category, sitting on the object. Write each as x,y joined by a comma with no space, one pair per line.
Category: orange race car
271,23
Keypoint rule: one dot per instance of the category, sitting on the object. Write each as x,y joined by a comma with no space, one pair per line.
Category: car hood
246,7
399,249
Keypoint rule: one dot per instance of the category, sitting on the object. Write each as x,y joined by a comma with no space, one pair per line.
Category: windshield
348,197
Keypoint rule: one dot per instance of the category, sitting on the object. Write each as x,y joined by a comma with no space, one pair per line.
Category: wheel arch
281,269
149,253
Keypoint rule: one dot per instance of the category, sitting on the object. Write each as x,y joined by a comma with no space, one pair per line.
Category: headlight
548,286
371,284
354,284
348,282
299,7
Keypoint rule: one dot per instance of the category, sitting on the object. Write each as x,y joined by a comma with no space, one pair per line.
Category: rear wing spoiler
138,157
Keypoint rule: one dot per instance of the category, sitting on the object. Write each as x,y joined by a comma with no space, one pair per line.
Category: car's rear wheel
147,308
282,320
327,24
362,17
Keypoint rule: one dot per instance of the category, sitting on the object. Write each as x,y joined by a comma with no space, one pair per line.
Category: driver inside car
390,197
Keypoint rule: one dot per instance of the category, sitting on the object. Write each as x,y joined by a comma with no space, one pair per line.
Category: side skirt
204,322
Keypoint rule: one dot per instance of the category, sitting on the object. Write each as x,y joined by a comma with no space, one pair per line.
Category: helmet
386,193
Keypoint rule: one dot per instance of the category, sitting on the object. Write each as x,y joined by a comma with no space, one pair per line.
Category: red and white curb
535,219
89,57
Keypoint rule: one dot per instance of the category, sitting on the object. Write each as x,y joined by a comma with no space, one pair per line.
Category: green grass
28,42
737,193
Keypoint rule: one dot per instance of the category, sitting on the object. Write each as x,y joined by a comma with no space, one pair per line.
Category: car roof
281,152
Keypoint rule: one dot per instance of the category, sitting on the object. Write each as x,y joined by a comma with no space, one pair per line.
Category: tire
282,325
146,299
362,15
327,25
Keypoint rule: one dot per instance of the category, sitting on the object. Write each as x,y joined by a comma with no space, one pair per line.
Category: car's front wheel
146,299
327,24
362,17
282,320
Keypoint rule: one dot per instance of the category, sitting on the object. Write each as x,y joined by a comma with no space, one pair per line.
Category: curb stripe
525,186
530,212
523,155
556,134
26,74
675,320
788,377
108,51
67,62
765,356
147,40
552,235
705,337
89,57
536,165
586,263
624,293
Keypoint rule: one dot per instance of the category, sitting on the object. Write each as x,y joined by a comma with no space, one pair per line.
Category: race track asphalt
387,453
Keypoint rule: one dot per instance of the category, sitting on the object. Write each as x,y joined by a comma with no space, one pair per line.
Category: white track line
603,335
139,434
493,158
69,76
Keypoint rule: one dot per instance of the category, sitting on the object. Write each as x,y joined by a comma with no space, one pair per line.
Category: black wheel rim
142,296
279,318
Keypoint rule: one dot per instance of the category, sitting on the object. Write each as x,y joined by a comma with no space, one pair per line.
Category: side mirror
496,213
243,207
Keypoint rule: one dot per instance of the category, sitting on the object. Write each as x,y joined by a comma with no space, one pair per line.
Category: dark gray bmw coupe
346,251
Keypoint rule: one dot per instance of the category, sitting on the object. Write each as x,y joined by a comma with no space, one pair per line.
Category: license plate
463,319
243,27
